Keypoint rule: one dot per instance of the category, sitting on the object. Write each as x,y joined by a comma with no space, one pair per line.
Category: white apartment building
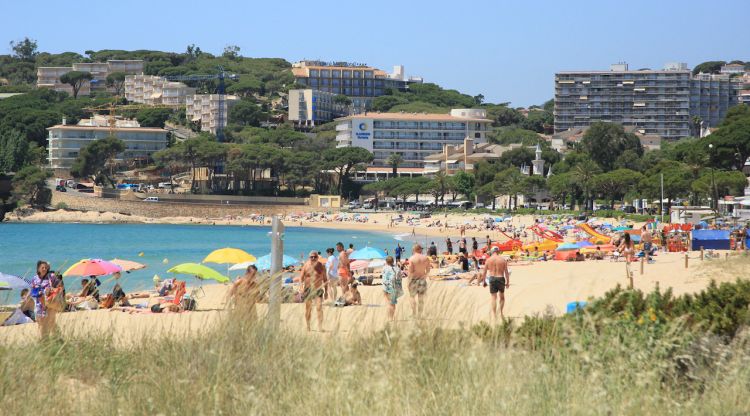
413,135
309,107
66,141
153,90
204,108
49,77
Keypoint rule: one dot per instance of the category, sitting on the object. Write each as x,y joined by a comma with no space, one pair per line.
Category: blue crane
221,76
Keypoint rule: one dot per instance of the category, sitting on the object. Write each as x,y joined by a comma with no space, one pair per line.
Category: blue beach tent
710,240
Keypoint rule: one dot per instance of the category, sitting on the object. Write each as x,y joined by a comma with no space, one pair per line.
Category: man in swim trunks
345,275
419,267
497,269
313,280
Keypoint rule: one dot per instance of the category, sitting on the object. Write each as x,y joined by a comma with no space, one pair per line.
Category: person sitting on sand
118,295
352,296
84,300
27,304
598,254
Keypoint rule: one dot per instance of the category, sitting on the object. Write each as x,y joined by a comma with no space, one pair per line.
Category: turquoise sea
163,246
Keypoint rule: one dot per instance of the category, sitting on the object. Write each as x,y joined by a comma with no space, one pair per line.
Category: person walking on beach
392,286
497,269
474,244
343,270
312,288
42,286
432,251
449,245
462,246
332,272
647,240
419,267
397,252
245,293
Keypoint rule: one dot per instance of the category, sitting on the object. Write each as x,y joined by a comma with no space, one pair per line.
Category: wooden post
629,273
686,260
701,253
643,260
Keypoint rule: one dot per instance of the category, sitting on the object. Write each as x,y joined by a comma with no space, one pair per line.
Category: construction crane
221,76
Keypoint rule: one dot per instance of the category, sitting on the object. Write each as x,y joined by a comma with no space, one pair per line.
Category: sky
507,51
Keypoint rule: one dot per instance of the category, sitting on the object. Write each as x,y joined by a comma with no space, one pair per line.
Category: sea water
158,246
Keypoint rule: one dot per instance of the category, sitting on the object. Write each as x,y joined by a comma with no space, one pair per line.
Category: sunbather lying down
157,308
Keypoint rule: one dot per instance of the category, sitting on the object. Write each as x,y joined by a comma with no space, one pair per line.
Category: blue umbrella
8,281
584,243
367,253
264,263
567,246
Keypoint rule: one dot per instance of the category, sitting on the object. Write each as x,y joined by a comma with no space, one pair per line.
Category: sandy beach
542,287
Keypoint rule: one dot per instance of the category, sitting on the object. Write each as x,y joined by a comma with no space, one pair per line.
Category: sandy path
546,286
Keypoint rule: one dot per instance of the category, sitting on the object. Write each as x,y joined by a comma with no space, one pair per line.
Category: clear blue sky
508,51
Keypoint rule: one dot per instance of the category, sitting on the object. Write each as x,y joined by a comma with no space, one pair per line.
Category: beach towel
17,318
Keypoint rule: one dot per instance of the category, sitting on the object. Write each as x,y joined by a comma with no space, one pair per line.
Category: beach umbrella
584,243
264,263
127,265
200,271
228,255
367,253
359,264
621,228
8,281
567,246
376,263
92,267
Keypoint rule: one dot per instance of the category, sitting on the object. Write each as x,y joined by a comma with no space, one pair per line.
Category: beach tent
710,239
8,281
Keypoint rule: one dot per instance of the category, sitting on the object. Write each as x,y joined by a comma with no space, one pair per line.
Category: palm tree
583,175
394,160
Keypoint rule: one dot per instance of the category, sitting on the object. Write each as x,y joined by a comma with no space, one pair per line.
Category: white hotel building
413,135
67,140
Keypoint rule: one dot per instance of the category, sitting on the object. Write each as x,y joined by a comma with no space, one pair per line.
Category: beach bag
188,304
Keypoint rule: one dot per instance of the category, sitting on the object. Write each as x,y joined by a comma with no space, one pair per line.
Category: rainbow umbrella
359,264
92,267
229,255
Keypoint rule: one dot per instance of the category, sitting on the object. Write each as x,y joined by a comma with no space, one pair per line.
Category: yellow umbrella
229,256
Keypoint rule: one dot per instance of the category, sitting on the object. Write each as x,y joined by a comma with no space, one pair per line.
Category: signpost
277,252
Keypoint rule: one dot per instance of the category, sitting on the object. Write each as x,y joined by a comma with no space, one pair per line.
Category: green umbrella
200,271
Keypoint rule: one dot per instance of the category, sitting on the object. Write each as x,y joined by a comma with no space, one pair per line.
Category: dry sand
535,289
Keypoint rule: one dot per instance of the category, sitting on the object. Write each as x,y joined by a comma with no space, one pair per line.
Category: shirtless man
345,275
313,279
419,267
497,269
648,241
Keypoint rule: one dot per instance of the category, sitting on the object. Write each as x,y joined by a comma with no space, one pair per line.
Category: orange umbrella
128,265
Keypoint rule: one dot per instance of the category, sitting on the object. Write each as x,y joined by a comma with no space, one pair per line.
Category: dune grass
629,353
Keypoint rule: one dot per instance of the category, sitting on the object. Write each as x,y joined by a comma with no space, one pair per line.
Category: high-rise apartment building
659,103
711,95
204,108
656,102
308,108
412,135
153,90
49,77
360,82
